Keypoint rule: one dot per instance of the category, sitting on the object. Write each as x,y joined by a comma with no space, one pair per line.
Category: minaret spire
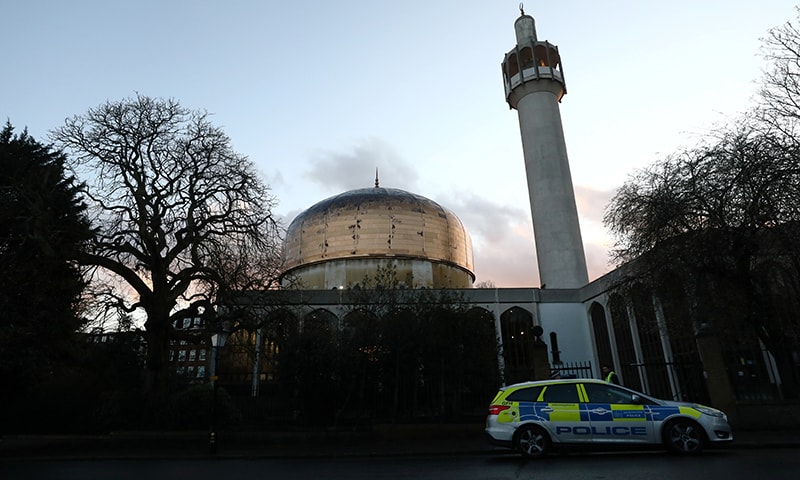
534,86
377,183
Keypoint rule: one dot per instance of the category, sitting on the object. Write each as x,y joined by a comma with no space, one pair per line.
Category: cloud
510,262
342,171
486,220
597,242
502,238
273,179
598,261
591,202
502,235
285,219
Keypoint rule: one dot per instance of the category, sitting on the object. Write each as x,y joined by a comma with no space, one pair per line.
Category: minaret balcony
532,74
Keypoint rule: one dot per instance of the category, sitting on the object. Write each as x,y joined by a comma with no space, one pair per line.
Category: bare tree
742,178
780,84
723,216
183,221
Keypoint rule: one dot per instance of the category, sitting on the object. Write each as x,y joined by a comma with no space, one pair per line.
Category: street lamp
217,342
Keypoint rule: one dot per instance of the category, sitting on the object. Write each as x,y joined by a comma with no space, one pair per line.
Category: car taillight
496,409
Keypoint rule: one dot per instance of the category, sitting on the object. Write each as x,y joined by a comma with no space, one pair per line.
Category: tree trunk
157,355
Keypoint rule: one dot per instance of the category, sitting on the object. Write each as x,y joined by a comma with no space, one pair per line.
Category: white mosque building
333,245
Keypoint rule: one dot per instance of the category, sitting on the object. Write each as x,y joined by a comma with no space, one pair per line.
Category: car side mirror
636,399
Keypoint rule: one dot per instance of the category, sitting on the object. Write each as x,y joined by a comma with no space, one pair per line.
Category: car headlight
709,411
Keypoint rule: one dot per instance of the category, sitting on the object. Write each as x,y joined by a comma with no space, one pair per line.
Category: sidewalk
385,440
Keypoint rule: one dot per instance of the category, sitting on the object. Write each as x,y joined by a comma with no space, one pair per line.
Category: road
722,464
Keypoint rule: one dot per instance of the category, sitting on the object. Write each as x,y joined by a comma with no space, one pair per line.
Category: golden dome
339,240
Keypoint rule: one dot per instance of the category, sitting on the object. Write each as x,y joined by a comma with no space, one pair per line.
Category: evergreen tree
42,227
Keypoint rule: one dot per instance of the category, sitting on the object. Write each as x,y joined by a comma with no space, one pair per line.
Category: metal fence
413,401
571,370
275,406
681,380
756,375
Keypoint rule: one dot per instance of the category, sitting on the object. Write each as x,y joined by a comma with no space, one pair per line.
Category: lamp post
217,342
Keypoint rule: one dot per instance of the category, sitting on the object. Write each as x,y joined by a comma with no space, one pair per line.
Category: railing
571,370
410,401
681,380
757,375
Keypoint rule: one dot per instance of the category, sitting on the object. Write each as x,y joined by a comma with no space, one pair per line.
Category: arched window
512,66
280,326
546,55
526,58
652,349
602,340
626,351
516,325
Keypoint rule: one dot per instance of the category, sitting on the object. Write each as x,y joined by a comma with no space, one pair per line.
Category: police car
534,417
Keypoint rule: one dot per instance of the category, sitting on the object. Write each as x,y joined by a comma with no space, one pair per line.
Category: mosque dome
342,239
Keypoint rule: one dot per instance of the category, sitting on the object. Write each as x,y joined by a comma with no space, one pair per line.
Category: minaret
534,85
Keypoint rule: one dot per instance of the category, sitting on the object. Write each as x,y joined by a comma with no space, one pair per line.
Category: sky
318,94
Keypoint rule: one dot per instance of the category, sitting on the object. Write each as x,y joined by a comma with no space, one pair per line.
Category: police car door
614,417
560,404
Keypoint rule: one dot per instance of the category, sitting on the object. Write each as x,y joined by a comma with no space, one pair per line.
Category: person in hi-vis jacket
609,375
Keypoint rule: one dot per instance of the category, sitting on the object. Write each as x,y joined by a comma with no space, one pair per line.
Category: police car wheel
683,436
532,442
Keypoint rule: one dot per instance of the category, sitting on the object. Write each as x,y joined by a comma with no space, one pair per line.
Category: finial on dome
377,183
521,8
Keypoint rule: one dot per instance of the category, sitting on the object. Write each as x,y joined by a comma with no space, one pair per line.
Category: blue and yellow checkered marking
596,412
583,412
658,413
586,412
622,413
616,412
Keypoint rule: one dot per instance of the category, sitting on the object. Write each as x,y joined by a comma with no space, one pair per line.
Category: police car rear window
529,394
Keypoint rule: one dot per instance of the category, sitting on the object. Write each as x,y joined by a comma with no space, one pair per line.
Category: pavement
381,440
